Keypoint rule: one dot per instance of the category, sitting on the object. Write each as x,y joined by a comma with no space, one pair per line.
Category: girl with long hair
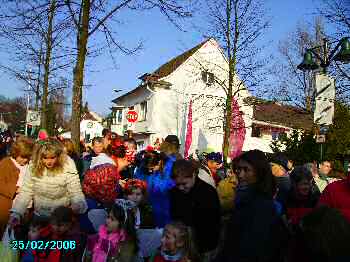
51,180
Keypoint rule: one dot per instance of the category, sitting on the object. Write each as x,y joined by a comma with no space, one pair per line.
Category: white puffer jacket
50,191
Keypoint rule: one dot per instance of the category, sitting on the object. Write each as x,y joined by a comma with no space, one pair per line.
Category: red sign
132,116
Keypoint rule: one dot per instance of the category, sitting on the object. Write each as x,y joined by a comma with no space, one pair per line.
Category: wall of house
168,109
208,100
89,128
135,99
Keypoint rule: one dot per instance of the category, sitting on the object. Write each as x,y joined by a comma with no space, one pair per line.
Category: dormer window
207,77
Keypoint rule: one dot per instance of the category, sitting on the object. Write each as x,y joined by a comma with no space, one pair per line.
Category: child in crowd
40,230
135,190
148,237
116,240
64,228
177,245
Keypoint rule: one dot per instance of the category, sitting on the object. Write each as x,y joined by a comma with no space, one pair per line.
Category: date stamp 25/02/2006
43,244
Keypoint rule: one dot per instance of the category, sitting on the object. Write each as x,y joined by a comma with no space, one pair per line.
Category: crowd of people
112,202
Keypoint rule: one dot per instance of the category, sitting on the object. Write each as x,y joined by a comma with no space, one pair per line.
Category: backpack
102,183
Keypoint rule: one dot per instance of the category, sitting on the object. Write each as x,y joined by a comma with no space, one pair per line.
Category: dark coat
254,231
146,214
200,209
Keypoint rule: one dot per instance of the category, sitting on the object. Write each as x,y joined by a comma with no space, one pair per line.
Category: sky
161,42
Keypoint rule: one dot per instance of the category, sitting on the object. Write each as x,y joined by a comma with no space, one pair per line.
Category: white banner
325,95
33,118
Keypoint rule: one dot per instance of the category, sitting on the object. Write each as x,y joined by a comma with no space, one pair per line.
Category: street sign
320,139
325,95
132,116
33,118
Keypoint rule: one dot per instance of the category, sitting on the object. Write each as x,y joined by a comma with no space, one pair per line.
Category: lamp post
325,59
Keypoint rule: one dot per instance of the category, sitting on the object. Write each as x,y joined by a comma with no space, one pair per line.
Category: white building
162,100
90,127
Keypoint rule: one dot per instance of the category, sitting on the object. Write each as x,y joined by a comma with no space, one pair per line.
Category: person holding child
51,181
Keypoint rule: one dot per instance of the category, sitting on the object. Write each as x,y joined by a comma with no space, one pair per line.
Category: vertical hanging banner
188,140
237,134
325,95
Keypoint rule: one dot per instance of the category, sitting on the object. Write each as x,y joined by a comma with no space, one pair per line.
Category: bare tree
91,17
295,86
36,35
237,25
337,15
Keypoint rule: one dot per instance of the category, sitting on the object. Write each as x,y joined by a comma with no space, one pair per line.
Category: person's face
98,148
123,163
212,165
136,196
33,233
22,161
130,146
290,165
169,242
107,140
61,228
245,173
325,167
184,184
49,161
303,188
112,223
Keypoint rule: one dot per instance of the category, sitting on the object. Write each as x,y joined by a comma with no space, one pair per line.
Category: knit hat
42,135
215,156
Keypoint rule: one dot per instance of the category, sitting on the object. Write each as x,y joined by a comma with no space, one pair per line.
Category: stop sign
132,116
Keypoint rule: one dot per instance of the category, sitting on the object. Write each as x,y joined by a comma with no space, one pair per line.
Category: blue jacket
158,187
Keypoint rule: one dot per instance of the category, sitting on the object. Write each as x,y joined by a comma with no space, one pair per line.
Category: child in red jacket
66,233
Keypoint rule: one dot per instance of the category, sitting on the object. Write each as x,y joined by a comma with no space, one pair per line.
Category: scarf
177,257
107,244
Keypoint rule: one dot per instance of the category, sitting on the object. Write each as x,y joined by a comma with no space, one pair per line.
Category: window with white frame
143,111
117,117
207,77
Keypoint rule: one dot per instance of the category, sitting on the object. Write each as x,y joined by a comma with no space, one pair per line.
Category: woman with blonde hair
51,181
11,176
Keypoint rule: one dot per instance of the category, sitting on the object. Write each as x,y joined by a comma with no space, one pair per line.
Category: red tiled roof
285,115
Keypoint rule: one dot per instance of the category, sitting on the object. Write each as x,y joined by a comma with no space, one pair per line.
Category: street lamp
342,56
325,60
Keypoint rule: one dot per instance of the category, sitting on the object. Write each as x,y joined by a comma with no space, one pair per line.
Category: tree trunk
232,54
47,65
78,73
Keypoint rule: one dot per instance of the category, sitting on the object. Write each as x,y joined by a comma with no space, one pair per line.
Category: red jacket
337,195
